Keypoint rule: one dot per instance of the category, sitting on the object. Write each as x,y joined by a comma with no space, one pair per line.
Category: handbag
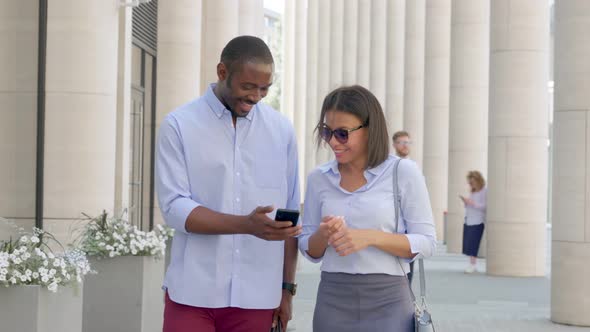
422,317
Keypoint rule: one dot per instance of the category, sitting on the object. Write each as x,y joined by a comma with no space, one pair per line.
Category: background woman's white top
476,214
370,207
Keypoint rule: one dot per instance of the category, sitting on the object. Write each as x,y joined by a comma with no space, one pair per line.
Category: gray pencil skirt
363,303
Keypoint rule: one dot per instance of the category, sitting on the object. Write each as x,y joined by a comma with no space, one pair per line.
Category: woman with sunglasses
349,220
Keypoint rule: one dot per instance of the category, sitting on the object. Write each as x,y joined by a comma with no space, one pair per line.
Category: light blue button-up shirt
203,160
370,207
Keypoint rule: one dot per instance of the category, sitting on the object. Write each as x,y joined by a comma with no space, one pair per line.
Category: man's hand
261,226
284,311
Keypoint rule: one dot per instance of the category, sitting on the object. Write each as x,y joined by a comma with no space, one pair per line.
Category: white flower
26,255
52,287
57,263
112,254
50,256
45,279
24,239
34,239
35,275
13,280
17,260
23,278
52,272
2,277
28,272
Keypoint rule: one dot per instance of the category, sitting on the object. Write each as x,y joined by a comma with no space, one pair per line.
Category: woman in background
475,217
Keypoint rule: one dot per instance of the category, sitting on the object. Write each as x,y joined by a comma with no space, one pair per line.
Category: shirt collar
378,170
217,106
333,166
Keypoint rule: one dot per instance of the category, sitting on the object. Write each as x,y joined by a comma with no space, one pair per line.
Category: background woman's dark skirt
471,239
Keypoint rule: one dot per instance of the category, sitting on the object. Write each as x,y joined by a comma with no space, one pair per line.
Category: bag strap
398,202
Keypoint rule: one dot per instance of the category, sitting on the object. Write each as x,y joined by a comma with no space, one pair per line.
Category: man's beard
236,114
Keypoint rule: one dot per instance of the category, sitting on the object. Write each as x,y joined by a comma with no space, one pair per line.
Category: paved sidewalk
458,302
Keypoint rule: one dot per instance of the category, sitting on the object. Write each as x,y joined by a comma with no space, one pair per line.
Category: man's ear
222,72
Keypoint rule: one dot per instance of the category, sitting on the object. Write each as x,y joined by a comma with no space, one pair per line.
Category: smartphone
287,215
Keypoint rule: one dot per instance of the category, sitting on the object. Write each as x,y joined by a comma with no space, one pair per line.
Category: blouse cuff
304,246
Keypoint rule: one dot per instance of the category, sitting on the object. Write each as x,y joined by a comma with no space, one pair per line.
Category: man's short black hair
244,49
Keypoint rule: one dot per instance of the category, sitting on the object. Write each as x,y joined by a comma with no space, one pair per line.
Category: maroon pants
184,318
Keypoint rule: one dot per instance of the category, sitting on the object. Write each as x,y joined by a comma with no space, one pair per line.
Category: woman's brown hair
478,178
361,103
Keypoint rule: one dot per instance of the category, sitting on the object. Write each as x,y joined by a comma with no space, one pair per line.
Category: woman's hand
330,225
318,242
348,241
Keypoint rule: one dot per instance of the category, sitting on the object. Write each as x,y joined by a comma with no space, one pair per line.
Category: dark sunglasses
340,134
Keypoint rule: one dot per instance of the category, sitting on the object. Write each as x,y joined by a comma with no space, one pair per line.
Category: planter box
125,295
35,309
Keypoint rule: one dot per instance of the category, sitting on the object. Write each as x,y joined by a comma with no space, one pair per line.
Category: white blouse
476,214
370,207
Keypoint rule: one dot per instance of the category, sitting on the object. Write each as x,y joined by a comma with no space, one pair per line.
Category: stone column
179,60
518,138
81,103
351,8
379,50
394,96
294,79
436,106
288,76
220,24
570,292
312,85
252,17
468,119
329,72
336,42
179,54
363,73
414,76
18,112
